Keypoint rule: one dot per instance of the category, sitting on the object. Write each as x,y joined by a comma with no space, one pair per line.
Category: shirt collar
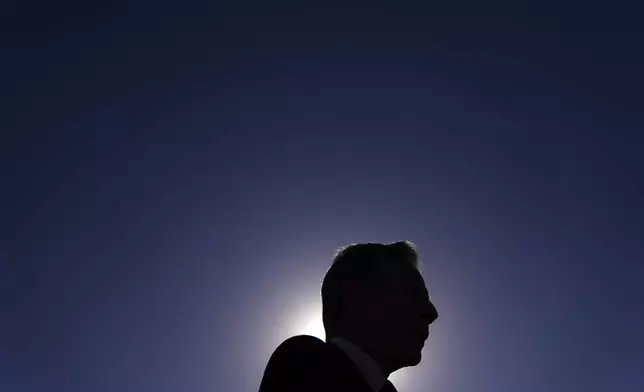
366,365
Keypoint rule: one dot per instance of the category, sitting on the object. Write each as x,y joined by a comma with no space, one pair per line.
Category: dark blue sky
176,178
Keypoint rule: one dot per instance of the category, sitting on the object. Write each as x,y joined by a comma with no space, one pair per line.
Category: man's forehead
408,276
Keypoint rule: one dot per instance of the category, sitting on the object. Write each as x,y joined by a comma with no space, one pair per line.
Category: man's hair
368,263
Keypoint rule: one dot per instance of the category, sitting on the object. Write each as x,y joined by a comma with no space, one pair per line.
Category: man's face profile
400,312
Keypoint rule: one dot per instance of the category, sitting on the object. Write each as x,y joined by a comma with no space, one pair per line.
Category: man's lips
421,333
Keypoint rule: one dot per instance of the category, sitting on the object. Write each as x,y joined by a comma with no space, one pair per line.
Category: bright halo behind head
302,319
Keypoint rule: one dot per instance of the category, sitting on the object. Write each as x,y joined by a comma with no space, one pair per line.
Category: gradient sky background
176,178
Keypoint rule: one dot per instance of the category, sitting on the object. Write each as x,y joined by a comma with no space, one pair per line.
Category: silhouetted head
374,295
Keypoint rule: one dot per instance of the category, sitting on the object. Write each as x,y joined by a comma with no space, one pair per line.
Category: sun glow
314,327
300,319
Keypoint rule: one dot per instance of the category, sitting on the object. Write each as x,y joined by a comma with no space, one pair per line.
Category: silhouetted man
376,313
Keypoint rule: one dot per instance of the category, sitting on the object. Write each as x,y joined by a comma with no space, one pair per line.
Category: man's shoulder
307,363
304,342
304,348
298,362
306,354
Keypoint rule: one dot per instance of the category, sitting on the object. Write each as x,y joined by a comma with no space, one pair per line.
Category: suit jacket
307,364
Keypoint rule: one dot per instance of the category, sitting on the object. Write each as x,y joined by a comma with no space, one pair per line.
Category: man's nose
430,313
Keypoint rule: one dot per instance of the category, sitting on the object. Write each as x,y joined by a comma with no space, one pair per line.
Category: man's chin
412,359
416,359
409,357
